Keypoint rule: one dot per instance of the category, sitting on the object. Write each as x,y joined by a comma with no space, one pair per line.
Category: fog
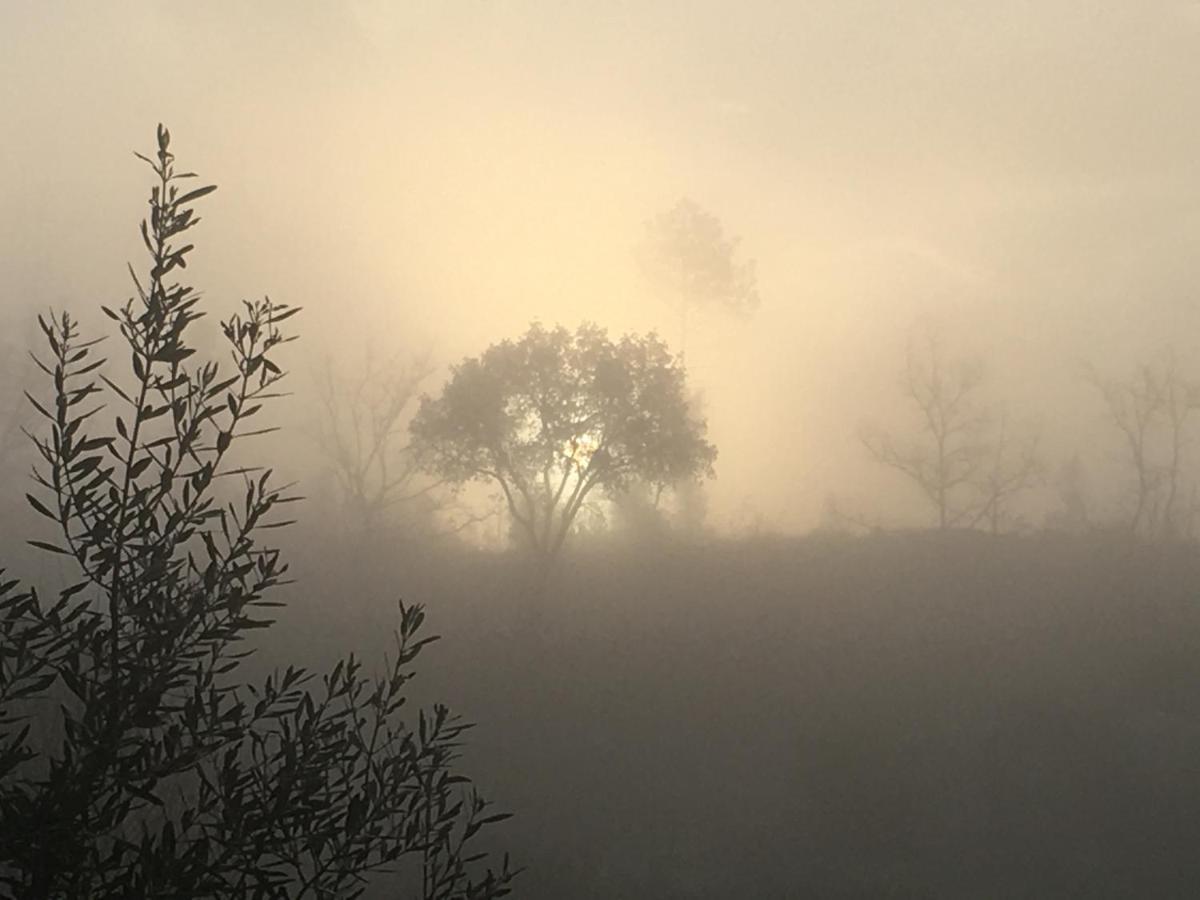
426,179
439,175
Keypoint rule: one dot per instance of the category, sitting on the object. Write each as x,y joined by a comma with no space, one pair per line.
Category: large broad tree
555,416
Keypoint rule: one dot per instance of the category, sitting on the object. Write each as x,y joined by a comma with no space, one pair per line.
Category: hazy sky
1026,174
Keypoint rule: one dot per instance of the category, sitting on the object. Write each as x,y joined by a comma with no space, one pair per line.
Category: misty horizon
459,173
788,414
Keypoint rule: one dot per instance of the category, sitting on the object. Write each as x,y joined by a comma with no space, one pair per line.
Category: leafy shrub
154,771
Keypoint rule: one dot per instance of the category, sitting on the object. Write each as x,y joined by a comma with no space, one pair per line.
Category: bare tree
1152,410
1180,399
1012,467
362,430
1133,405
968,469
949,455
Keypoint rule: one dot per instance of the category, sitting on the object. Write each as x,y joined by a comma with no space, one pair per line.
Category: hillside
894,716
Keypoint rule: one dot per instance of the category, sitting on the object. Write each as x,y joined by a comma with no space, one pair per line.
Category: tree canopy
555,415
692,263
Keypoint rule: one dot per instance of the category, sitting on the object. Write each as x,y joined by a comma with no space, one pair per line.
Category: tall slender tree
692,264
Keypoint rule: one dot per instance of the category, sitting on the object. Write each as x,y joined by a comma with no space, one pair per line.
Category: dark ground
900,716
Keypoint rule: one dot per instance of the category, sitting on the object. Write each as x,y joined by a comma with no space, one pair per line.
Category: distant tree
362,432
156,771
965,468
692,264
554,416
1153,410
1009,468
949,454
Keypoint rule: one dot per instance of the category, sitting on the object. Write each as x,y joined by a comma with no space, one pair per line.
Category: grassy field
908,715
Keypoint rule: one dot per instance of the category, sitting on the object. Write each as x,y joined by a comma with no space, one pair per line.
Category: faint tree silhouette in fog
1152,410
965,466
155,772
554,416
950,450
1010,467
362,431
691,263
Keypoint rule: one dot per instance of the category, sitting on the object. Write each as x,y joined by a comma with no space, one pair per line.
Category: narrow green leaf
42,545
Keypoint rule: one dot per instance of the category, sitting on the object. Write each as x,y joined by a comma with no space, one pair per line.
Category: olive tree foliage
134,761
554,416
1154,411
692,264
962,458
